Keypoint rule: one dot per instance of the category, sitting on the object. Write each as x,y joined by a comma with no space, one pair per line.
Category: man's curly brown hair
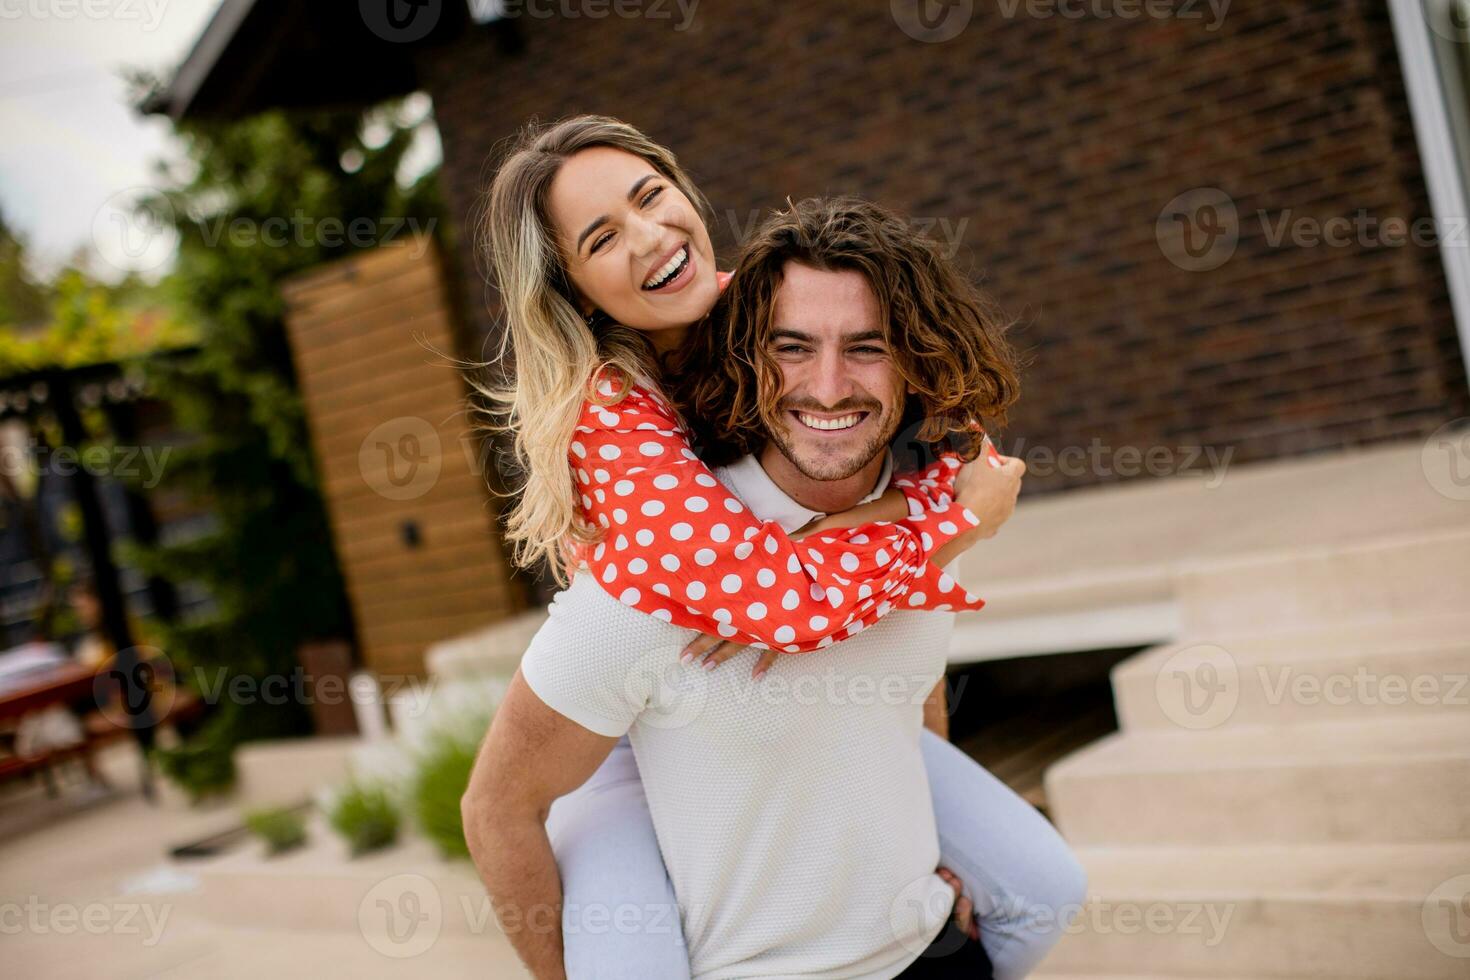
947,338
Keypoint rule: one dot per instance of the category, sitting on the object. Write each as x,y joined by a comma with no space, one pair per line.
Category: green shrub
280,828
204,764
442,775
365,816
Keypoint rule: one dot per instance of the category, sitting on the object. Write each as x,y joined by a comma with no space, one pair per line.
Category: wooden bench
65,685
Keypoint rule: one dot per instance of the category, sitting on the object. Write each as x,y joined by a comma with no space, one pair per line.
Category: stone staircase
405,904
1289,793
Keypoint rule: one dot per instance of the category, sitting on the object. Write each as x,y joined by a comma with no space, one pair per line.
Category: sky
74,153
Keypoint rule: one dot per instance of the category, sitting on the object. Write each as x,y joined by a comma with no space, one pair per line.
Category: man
793,812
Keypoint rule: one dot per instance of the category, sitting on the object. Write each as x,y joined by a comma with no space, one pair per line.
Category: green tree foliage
74,319
85,321
23,300
264,199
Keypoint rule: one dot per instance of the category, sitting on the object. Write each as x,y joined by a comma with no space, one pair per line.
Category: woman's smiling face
633,244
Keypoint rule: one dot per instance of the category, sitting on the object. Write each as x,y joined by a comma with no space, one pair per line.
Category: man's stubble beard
840,469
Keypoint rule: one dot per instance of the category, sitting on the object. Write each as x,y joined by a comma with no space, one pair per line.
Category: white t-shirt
793,812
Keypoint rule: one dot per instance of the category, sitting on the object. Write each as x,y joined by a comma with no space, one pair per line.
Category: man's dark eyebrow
855,338
600,219
793,334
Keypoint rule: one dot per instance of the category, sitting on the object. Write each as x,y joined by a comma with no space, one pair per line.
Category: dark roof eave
176,99
292,54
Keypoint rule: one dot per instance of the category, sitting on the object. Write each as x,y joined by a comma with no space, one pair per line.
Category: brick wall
1048,147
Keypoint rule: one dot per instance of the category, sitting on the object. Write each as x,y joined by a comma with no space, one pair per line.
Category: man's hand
964,909
936,710
531,756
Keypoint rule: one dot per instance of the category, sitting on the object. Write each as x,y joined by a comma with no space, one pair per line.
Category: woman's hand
711,651
989,487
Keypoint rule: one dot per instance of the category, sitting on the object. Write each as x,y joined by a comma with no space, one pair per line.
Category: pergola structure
114,388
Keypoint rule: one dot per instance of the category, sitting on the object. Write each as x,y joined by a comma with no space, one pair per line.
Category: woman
596,286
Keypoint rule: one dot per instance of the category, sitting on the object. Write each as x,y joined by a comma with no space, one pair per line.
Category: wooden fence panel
412,520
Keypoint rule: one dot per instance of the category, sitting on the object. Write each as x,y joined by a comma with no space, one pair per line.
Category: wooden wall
411,517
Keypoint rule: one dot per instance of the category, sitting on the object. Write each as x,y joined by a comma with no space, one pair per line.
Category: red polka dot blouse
678,546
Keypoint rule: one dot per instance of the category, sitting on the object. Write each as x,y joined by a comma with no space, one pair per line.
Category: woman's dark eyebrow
602,218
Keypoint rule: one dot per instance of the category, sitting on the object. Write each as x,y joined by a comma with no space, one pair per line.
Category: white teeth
845,422
659,277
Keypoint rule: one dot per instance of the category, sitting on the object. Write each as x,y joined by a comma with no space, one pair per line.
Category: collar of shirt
749,481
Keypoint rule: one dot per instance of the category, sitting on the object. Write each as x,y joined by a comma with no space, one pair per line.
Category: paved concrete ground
86,891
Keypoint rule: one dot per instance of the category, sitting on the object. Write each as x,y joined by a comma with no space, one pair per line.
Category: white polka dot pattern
694,540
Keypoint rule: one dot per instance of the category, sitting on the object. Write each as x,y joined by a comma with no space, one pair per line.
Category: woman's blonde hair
556,352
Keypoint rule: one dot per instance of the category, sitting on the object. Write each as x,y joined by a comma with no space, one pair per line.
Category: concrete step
1065,563
494,650
1045,975
1392,578
458,703
190,948
320,887
1066,611
1410,667
404,927
1359,911
288,771
1375,780
414,951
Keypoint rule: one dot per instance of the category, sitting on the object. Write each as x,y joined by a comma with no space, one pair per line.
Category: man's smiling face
842,398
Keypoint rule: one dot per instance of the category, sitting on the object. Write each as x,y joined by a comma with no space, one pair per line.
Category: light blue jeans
621,916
